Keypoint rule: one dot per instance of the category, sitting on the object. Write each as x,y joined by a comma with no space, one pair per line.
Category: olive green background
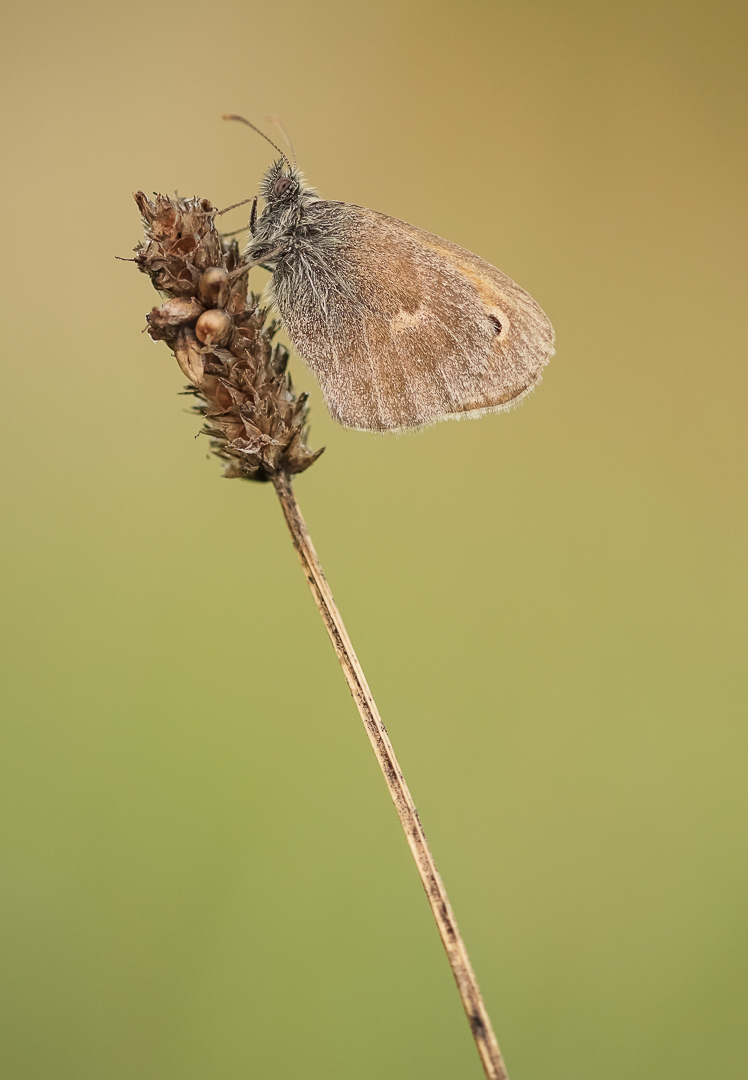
203,875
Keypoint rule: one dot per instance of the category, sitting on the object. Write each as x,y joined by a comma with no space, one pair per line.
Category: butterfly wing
402,328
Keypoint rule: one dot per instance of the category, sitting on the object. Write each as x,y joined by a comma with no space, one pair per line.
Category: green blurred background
203,875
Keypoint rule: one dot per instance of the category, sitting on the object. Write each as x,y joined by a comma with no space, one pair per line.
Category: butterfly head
286,196
283,185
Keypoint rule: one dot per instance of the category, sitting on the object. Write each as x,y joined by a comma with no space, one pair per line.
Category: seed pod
175,312
212,285
189,357
213,327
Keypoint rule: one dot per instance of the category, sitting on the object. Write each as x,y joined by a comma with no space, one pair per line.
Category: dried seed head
213,327
236,373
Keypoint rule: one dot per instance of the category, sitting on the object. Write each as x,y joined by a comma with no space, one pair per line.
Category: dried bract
222,341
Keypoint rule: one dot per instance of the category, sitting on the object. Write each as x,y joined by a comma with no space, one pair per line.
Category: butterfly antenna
232,116
275,120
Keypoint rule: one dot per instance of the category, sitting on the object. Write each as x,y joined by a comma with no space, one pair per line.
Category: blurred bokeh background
203,875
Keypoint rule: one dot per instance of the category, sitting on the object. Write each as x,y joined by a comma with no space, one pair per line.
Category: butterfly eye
281,185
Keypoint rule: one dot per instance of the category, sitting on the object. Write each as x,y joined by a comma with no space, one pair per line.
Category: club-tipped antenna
241,119
275,120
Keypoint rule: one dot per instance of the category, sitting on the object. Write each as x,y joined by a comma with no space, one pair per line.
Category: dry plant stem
480,1024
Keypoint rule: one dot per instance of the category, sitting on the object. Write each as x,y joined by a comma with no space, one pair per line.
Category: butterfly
400,327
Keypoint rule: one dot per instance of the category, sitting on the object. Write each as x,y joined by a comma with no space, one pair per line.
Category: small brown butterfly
400,327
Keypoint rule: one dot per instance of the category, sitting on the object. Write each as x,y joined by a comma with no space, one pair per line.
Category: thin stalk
467,985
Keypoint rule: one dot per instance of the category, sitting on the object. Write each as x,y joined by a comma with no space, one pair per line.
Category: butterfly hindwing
402,328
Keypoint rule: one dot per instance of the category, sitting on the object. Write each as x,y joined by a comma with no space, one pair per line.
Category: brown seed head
237,375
